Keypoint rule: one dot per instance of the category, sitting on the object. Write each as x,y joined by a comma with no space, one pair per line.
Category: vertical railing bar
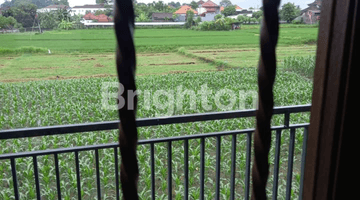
287,119
15,183
248,158
290,164
233,167
117,187
218,160
202,168
152,152
57,171
186,169
276,164
36,174
97,174
78,174
169,171
303,156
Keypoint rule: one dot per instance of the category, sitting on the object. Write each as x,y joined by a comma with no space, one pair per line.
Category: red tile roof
221,8
99,18
90,16
238,7
209,3
208,10
184,9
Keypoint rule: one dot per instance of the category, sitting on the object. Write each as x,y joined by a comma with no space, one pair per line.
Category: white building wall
42,10
208,17
200,10
82,11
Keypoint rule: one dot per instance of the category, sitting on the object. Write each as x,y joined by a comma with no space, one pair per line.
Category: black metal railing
100,126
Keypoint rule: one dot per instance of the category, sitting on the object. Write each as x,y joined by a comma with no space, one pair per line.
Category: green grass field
30,98
150,40
65,66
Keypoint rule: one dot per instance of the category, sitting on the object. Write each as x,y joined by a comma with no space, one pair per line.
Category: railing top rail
110,125
141,142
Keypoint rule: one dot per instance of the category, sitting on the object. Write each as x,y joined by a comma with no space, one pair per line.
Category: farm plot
150,40
249,57
64,66
44,103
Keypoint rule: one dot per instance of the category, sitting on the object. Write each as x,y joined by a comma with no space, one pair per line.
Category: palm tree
64,24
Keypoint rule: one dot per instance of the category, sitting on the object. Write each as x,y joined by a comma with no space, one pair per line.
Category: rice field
44,103
65,87
150,40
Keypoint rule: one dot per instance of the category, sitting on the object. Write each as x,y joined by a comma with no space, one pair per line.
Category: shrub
189,19
296,22
222,24
23,50
218,16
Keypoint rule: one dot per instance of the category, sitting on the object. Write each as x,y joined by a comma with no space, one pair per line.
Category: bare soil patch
86,59
98,65
186,63
219,51
57,78
153,54
33,68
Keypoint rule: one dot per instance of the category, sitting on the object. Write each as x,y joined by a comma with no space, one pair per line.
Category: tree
142,18
99,12
198,20
251,8
105,1
189,19
230,10
64,24
258,14
175,16
289,12
194,5
23,13
225,3
63,14
7,22
48,20
241,18
218,16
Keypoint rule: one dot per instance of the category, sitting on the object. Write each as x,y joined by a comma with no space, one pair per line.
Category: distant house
200,2
208,10
316,5
162,17
311,14
52,8
182,12
209,7
238,8
92,8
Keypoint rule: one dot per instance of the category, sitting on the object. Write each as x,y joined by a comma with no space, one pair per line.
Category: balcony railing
101,126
